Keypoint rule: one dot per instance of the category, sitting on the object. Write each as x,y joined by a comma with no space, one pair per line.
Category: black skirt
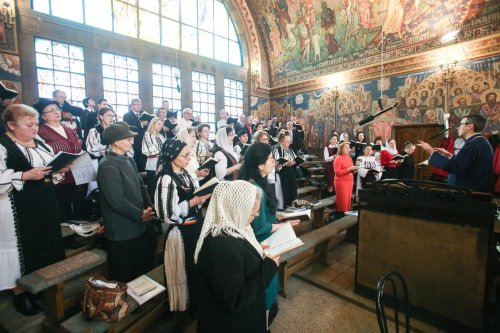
130,258
288,179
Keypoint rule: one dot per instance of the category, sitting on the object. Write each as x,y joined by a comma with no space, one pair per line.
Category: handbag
105,300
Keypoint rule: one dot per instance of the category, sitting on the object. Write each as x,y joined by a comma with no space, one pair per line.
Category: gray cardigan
123,197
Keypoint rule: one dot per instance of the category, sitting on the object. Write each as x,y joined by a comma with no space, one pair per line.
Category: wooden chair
381,317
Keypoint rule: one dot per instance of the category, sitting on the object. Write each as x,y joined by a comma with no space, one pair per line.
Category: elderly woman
369,169
286,170
180,208
344,179
95,147
227,166
391,167
30,234
259,164
233,270
125,206
151,147
60,138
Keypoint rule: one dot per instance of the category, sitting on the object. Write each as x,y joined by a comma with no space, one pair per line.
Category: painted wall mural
307,35
474,89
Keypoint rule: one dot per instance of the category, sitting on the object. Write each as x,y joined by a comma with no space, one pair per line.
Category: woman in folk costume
227,166
366,164
176,204
188,136
234,272
329,153
344,180
287,170
391,167
151,146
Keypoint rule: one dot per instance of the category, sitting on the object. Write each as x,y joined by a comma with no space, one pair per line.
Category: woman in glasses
60,138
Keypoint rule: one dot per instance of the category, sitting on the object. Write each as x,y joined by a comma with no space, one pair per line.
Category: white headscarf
390,150
231,205
342,137
193,164
221,141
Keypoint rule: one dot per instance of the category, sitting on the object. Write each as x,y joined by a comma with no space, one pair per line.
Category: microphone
370,118
436,135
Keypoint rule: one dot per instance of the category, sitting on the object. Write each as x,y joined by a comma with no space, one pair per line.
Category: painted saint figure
328,23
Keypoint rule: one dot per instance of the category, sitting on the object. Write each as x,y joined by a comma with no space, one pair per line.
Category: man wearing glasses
473,165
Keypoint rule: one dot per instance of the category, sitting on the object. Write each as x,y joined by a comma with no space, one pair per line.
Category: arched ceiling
298,40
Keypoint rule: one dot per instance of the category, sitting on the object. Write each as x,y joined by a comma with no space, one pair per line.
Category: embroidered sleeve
9,178
173,210
94,145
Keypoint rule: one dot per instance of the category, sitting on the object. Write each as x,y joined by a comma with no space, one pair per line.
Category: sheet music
83,169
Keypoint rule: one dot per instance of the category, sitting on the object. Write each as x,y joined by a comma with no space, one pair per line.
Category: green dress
262,226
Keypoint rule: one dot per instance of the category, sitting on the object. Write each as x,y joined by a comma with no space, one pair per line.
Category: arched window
202,27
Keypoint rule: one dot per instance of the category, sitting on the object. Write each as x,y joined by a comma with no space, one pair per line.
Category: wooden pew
319,209
134,322
318,241
52,280
314,191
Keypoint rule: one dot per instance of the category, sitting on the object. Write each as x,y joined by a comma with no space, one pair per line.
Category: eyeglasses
464,124
186,155
53,110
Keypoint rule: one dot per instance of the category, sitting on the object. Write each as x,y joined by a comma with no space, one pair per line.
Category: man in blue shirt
473,165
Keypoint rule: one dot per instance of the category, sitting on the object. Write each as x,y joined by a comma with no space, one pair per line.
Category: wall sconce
7,15
254,75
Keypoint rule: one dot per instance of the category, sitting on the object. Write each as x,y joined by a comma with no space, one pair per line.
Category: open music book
303,215
143,289
208,164
63,159
399,157
281,241
207,188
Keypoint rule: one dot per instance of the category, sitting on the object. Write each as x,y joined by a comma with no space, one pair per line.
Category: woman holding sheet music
258,165
188,136
60,138
287,173
391,166
233,268
180,208
369,170
329,154
30,232
227,166
151,146
95,147
344,179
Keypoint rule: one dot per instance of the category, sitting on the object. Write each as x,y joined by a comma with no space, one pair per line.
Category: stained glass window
167,86
60,66
120,81
204,98
202,27
233,97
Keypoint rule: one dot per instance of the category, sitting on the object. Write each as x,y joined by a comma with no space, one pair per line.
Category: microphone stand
382,111
436,135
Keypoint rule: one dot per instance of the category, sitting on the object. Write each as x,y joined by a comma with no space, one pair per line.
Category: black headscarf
169,152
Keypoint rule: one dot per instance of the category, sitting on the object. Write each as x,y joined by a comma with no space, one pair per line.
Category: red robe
343,183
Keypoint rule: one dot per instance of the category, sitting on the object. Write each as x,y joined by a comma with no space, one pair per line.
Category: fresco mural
306,35
474,88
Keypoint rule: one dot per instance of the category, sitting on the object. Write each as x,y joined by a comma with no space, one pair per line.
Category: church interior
407,71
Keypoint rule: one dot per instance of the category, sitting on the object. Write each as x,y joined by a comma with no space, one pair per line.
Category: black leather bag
154,227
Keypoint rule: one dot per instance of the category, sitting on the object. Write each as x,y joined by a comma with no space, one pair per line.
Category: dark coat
473,164
123,197
233,280
135,124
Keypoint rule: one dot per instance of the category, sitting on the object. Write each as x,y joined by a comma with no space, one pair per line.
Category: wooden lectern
438,238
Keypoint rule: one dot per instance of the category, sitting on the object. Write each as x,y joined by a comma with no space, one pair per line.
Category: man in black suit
136,125
241,124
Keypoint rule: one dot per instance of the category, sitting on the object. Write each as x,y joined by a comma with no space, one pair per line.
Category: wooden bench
134,322
317,240
52,280
310,190
319,209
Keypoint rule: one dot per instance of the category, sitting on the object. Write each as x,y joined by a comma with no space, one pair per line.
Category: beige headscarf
231,205
193,164
221,141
